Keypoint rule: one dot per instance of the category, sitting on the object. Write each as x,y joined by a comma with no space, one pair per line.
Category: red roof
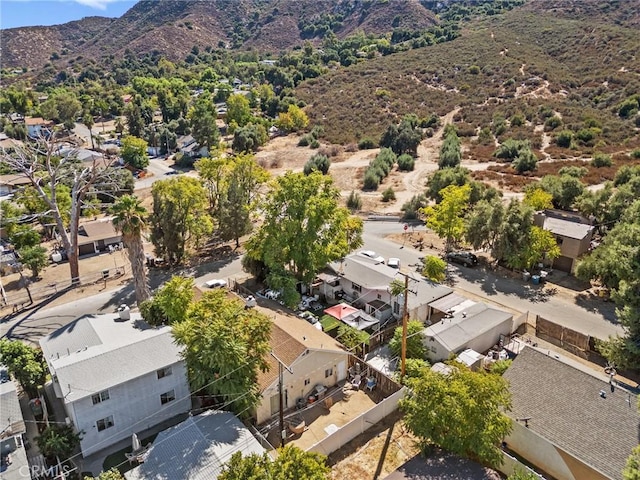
341,311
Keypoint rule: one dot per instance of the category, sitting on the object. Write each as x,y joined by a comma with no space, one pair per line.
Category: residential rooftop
96,352
576,411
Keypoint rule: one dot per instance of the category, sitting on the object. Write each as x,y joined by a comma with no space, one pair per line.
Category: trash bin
124,312
526,276
535,279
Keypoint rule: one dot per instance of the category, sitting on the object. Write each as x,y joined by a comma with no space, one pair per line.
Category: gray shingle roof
119,350
564,406
11,421
196,448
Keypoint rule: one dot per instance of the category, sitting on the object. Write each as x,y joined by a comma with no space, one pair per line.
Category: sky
22,13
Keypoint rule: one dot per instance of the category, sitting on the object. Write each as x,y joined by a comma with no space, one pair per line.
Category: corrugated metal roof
196,449
566,228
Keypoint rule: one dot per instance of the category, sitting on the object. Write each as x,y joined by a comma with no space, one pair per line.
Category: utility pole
281,367
405,317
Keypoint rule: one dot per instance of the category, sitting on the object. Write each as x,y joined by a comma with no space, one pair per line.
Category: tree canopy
304,228
291,463
462,412
180,218
225,346
24,362
415,345
446,219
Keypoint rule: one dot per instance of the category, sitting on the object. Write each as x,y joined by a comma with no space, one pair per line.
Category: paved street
596,318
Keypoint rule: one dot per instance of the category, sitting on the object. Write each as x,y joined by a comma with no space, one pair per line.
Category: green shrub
573,171
411,208
304,141
371,180
314,143
354,202
474,70
517,120
366,144
510,148
317,132
585,135
388,195
526,161
406,162
635,153
601,160
318,162
552,123
564,138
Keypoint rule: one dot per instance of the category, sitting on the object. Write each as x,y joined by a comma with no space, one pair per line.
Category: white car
372,255
394,263
216,283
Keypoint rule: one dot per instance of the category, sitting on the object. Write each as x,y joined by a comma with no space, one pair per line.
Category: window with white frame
164,372
100,397
356,287
105,423
167,397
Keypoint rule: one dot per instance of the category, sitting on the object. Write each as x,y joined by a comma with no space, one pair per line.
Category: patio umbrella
135,443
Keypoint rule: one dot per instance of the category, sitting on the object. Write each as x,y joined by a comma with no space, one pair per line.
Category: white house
364,283
477,326
197,448
313,357
569,421
116,377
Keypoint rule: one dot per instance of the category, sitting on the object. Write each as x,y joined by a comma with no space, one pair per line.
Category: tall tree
180,218
225,346
213,173
415,345
450,151
462,412
238,110
483,223
304,227
293,119
130,219
35,257
202,119
291,462
244,180
134,152
616,264
58,441
434,268
513,235
446,219
537,198
87,119
47,171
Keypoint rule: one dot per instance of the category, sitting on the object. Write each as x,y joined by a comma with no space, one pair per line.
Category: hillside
173,27
529,59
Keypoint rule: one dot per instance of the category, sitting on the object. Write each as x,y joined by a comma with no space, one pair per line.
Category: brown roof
96,230
36,121
291,337
13,179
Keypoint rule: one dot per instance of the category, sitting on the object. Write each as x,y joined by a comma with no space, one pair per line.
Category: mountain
173,27
575,58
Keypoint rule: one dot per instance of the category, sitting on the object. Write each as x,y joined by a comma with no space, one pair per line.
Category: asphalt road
594,318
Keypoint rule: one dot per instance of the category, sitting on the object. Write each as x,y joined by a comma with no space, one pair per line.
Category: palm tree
130,219
87,119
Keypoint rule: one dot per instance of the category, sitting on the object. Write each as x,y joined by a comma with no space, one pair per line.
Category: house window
307,381
100,397
170,396
356,287
164,372
105,423
328,372
396,308
379,297
559,240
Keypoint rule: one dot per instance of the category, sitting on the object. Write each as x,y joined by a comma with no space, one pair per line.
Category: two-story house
311,356
13,457
572,232
364,283
116,377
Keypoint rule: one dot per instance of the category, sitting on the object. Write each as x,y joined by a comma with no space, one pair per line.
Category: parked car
467,259
216,283
311,318
372,255
394,263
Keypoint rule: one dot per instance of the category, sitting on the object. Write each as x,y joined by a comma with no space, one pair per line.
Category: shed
469,325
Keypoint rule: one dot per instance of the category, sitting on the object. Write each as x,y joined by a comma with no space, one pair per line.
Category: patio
323,417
